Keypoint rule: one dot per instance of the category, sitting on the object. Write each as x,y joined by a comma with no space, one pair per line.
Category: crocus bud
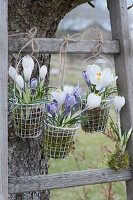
43,72
119,103
28,62
12,72
27,73
86,77
68,89
33,83
20,82
93,101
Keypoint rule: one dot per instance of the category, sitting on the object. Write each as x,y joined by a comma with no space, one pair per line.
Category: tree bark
25,155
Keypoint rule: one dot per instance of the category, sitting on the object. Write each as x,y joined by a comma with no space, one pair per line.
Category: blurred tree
25,155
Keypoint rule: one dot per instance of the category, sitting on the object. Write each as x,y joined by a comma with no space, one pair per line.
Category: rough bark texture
25,155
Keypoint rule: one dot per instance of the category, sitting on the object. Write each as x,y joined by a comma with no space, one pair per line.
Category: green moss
58,143
118,160
98,119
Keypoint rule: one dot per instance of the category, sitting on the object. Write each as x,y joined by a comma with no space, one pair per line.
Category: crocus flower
59,96
68,89
34,83
27,73
85,75
43,72
19,80
100,78
52,108
93,101
12,72
119,103
28,62
70,101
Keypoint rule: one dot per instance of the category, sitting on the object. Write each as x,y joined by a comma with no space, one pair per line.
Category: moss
28,121
98,119
58,143
118,160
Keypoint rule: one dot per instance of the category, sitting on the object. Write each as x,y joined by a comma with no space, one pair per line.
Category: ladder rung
66,180
52,45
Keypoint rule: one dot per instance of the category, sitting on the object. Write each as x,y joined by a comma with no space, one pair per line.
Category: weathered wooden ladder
120,47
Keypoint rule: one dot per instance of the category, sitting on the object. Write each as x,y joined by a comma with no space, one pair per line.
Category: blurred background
90,149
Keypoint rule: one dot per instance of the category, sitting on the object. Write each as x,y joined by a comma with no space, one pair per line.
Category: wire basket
28,120
58,141
98,117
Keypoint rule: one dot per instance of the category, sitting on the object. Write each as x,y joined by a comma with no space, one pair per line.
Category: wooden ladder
120,46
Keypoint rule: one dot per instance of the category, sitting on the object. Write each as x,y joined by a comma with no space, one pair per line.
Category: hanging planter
61,123
99,82
58,141
27,99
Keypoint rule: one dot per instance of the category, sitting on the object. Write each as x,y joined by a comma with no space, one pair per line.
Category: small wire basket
28,120
58,141
98,117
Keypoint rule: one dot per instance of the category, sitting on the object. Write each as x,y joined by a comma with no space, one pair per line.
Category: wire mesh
58,142
28,120
98,117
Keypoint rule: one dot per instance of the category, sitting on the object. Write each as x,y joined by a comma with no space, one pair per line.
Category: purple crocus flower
52,108
33,83
70,101
85,75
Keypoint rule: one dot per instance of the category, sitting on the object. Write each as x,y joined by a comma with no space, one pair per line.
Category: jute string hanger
96,51
33,42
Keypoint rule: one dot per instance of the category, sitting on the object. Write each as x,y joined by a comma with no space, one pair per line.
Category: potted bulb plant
62,121
27,98
99,82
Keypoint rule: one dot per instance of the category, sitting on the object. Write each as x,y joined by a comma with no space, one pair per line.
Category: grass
90,144
86,144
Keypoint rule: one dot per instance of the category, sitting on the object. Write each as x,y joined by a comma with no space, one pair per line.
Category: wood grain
124,70
66,180
52,45
3,101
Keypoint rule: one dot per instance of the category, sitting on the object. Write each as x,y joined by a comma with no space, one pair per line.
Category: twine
34,44
96,51
62,57
79,37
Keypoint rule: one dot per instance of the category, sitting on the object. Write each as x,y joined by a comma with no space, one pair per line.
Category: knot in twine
62,57
34,44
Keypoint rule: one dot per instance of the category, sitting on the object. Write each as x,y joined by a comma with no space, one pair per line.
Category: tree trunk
25,155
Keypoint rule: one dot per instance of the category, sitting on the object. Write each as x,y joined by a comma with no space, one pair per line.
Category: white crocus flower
19,81
43,72
12,72
28,62
59,96
119,103
27,73
93,101
68,89
100,78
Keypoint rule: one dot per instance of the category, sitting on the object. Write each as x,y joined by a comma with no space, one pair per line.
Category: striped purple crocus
52,108
85,75
70,102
